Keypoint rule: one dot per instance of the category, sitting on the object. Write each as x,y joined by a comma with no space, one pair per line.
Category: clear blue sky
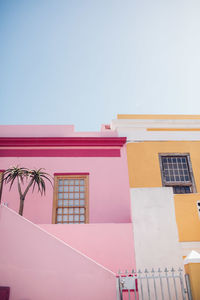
82,62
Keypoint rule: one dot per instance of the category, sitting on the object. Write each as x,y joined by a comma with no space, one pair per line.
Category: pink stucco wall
109,199
38,266
111,245
50,131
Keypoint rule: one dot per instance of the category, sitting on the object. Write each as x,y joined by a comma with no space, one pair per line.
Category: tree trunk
21,207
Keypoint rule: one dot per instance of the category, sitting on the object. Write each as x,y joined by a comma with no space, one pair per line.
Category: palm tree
33,178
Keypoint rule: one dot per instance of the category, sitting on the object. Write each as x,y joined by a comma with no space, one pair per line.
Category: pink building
82,226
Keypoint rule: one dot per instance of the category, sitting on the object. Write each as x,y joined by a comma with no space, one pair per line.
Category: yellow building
163,153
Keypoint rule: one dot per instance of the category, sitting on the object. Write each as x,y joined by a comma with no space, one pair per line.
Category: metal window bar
154,285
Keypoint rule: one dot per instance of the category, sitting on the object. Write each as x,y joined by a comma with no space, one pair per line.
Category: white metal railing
153,285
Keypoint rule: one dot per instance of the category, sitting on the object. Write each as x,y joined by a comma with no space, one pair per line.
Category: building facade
164,163
87,211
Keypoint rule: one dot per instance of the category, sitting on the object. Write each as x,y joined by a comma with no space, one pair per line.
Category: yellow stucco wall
144,171
193,269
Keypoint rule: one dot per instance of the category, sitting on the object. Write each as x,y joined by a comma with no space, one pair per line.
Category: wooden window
71,199
176,171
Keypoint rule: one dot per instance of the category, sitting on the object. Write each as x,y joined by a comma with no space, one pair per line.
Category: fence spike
146,271
165,270
119,272
152,271
172,270
159,270
126,271
139,271
133,271
180,270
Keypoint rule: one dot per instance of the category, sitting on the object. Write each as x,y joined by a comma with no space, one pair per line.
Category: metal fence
153,285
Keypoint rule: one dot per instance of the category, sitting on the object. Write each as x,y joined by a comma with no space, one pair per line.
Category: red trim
2,171
59,152
61,141
60,174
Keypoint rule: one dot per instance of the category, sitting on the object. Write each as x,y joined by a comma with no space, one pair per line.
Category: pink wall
111,245
109,199
38,266
49,131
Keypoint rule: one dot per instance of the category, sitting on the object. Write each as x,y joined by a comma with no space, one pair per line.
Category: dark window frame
174,184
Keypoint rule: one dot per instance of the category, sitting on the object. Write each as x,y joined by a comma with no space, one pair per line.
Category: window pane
59,202
82,195
66,196
71,188
65,218
70,210
59,218
65,202
82,218
76,217
76,195
71,217
59,210
82,210
82,202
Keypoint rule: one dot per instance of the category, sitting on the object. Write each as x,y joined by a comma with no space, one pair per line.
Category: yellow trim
165,117
173,129
193,269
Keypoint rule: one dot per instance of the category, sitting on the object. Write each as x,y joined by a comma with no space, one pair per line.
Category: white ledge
193,257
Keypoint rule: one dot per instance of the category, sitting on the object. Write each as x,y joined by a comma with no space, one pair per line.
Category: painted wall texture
151,135
144,171
111,245
36,265
154,226
109,200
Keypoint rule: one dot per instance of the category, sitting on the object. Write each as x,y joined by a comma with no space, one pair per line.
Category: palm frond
12,173
38,177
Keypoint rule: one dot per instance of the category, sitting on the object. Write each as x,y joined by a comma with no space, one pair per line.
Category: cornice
62,141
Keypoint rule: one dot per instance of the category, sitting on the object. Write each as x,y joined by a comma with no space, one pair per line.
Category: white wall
155,229
156,238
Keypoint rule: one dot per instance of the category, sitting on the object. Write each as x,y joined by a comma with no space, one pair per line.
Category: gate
153,285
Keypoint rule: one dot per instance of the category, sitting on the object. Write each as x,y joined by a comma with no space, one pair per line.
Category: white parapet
157,129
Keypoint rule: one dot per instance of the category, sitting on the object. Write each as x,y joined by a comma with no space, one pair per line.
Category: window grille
71,200
176,171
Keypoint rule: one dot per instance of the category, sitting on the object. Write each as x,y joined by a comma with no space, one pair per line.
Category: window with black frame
177,172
